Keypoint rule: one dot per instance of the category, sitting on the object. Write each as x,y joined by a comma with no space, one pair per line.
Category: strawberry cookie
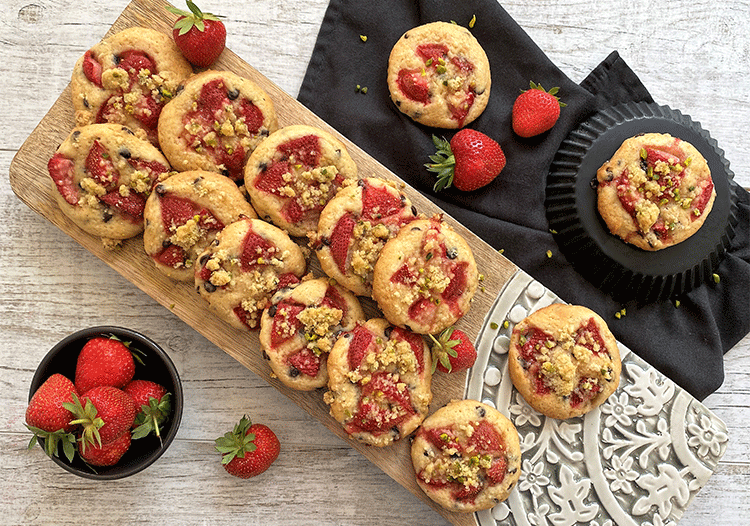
467,456
183,216
379,382
439,75
299,328
353,228
127,79
215,122
564,360
655,191
293,174
425,277
244,266
104,174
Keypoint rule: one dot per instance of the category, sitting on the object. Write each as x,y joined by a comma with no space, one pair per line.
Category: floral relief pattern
638,459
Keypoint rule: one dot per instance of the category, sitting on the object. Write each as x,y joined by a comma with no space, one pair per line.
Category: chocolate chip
388,330
203,259
76,134
117,59
233,93
272,310
197,181
166,243
265,355
209,287
125,153
398,103
452,253
262,167
480,411
128,130
395,432
361,183
326,241
107,216
86,102
293,372
413,210
160,189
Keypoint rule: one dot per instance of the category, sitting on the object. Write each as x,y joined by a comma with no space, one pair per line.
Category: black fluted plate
625,271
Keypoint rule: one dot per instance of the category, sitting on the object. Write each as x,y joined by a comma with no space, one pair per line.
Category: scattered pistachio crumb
676,303
717,278
472,21
618,315
623,312
506,324
363,38
172,306
552,231
501,251
549,253
493,326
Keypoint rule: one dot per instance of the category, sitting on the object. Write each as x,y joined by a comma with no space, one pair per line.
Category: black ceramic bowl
157,367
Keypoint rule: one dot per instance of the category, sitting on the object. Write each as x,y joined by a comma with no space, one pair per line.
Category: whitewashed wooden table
692,55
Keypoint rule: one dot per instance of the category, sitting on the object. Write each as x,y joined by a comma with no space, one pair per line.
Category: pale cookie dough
292,175
439,75
425,277
249,261
127,78
467,456
564,360
183,216
655,191
299,328
379,379
353,228
215,122
104,174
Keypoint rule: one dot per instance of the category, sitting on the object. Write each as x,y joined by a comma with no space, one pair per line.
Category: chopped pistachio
716,278
363,38
549,253
472,21
493,326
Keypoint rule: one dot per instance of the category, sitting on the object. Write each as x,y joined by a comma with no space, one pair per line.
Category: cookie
249,261
439,75
655,191
299,328
293,174
425,277
127,78
215,122
353,228
466,456
104,174
564,360
183,215
379,379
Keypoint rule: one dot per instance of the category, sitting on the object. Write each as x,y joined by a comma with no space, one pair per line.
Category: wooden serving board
30,181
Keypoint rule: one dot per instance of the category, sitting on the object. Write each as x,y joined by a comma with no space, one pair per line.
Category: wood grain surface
52,286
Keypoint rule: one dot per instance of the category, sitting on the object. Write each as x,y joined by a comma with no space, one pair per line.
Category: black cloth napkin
345,85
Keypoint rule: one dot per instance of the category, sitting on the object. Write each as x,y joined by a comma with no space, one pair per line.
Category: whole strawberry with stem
104,361
469,161
452,351
104,413
107,454
535,110
49,419
154,405
249,449
199,36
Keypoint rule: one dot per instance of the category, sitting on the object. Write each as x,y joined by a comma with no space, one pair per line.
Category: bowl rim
117,472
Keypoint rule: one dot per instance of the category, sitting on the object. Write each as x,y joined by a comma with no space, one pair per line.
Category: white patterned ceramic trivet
638,459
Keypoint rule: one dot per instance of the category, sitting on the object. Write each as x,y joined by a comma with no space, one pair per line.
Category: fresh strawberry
104,412
535,110
249,449
131,205
47,417
452,351
133,61
471,160
107,454
306,362
200,36
154,405
104,361
414,85
61,169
